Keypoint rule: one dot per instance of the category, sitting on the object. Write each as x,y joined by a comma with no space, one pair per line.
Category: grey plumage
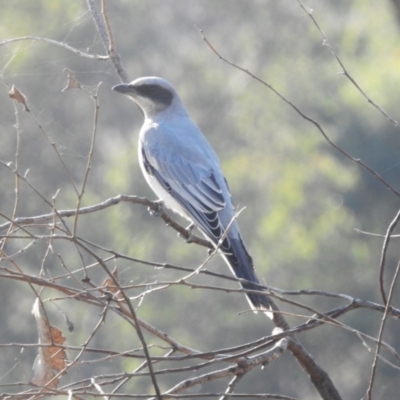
183,170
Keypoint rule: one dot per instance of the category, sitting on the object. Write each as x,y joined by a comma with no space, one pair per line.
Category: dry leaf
110,285
51,359
72,81
16,95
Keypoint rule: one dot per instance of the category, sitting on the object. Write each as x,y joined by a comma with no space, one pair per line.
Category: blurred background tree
304,200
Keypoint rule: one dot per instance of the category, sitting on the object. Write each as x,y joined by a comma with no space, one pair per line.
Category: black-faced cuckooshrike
183,170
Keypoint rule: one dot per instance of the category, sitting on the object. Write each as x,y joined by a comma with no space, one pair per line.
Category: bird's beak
123,88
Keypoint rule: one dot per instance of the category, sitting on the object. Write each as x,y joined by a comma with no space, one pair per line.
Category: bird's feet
156,211
189,234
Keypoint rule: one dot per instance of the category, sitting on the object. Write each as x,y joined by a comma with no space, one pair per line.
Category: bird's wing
193,186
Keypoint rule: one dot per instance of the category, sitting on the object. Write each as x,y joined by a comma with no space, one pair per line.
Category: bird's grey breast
184,160
178,144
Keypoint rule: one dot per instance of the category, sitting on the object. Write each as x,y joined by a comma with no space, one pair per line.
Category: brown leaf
110,285
51,359
16,95
72,81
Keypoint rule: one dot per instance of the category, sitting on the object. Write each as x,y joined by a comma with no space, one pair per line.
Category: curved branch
104,28
152,205
385,246
304,116
245,365
318,376
57,43
344,69
380,334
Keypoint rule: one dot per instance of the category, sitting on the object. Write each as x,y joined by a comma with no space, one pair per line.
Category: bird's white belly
166,198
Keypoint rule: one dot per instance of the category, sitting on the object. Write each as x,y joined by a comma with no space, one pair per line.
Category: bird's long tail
241,264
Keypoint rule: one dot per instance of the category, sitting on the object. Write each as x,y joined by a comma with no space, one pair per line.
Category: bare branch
57,43
103,26
304,116
112,48
344,69
385,246
243,367
105,204
89,158
381,328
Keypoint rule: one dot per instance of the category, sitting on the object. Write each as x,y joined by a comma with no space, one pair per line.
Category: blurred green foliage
303,200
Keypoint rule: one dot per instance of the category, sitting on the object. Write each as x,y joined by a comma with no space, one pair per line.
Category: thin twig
54,146
103,205
345,70
304,116
133,315
375,234
16,162
385,246
381,329
89,158
99,22
318,376
57,43
231,387
243,367
112,48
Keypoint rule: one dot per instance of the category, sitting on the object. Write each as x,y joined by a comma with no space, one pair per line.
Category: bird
183,170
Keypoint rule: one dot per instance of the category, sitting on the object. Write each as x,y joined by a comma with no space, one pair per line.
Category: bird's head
152,94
